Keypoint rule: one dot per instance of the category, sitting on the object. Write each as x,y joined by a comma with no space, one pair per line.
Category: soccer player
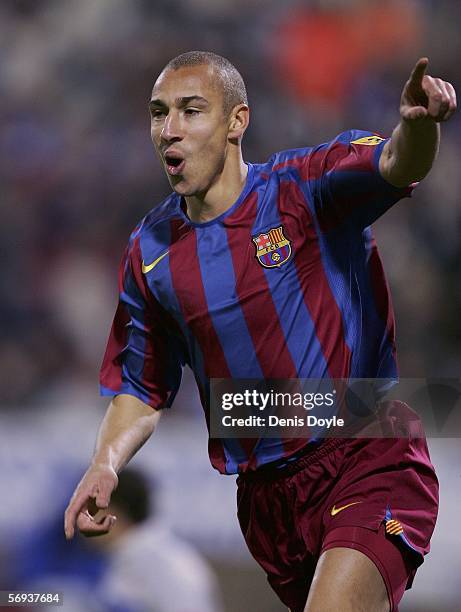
271,271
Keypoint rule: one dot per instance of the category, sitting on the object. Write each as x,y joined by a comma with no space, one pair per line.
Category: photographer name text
275,421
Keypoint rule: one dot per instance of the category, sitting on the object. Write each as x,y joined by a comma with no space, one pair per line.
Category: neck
223,192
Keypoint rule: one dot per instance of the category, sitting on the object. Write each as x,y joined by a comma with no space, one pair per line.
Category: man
112,568
340,523
139,540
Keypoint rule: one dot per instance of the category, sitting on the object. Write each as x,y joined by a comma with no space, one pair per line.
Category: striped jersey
286,283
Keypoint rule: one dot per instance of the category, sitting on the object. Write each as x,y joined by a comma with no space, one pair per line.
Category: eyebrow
179,102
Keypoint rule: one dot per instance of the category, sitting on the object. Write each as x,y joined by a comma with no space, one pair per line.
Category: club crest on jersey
273,248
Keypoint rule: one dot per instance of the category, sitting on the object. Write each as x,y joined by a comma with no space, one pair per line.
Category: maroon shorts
376,495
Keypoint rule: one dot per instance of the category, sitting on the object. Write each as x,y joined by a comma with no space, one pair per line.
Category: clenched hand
90,499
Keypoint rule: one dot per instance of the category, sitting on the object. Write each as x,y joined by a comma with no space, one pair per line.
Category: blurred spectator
141,566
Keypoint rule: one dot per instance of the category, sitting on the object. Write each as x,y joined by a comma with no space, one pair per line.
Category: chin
180,189
183,189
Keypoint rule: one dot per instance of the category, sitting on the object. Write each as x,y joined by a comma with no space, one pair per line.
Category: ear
238,121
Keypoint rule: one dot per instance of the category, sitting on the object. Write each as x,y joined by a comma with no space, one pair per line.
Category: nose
171,130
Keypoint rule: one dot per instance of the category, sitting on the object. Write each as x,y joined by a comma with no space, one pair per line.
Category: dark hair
233,86
132,495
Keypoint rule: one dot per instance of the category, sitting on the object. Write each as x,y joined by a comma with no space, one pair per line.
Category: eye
157,113
191,111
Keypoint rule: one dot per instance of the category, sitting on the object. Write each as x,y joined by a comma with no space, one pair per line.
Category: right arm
142,372
126,426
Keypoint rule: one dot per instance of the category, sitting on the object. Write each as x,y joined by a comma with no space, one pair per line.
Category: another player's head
199,113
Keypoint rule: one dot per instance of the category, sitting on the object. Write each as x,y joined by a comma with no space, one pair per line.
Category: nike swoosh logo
334,510
146,269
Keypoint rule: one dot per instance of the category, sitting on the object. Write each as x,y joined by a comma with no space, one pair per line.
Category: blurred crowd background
77,172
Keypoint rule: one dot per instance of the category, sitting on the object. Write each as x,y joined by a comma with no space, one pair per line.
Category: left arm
409,154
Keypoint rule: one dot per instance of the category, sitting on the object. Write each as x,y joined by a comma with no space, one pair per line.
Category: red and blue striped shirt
286,283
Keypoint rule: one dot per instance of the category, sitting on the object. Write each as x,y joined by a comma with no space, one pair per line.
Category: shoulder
347,138
307,160
161,214
152,540
155,225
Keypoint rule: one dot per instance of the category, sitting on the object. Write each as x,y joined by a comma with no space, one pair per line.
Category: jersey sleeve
346,182
144,357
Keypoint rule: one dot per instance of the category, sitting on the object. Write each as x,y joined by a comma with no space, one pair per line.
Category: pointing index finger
418,71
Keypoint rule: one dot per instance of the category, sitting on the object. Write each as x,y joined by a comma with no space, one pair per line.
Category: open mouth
174,164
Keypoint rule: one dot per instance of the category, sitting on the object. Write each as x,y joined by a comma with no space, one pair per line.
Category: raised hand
425,96
90,499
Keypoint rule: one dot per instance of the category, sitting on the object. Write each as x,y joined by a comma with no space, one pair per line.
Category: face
189,129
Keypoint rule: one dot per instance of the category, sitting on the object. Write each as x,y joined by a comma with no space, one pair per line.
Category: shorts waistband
310,454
